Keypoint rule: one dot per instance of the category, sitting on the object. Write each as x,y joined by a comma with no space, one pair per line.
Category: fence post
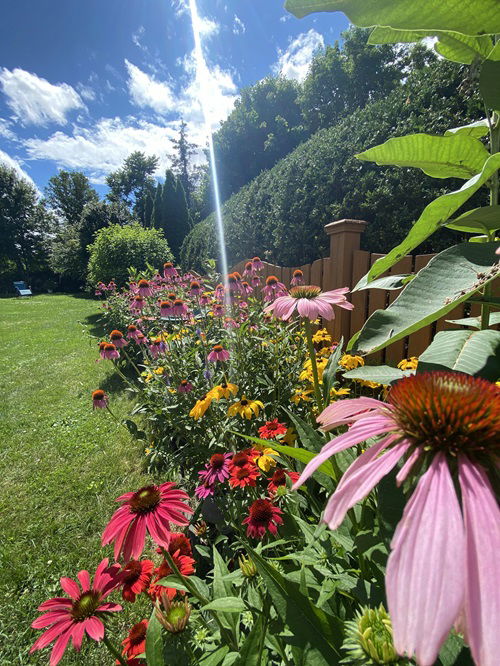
345,239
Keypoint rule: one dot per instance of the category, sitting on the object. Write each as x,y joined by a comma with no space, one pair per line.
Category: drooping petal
94,628
77,635
70,587
425,571
345,411
59,647
482,585
47,637
134,541
407,467
360,479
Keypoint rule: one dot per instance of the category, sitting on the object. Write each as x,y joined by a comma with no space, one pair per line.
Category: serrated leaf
474,17
225,605
154,642
473,352
435,215
489,87
477,221
455,156
383,374
478,129
475,322
448,279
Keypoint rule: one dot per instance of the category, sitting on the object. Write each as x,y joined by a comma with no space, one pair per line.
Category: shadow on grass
95,325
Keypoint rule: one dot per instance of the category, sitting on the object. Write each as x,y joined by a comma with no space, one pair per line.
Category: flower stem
132,363
113,651
312,356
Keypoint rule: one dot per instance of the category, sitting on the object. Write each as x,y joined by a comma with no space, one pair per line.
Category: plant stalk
494,200
314,367
113,651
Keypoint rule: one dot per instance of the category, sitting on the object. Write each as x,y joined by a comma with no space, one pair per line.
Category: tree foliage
133,182
68,193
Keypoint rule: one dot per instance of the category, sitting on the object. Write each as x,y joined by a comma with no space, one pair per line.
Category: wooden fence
344,267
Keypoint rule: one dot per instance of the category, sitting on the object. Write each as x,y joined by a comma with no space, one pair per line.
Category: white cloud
285,17
207,27
35,101
86,92
14,164
147,92
138,35
101,149
239,28
5,130
293,63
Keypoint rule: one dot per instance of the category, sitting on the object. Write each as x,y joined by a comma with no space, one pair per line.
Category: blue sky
83,84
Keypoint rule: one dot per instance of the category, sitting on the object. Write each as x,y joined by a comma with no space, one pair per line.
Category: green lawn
61,464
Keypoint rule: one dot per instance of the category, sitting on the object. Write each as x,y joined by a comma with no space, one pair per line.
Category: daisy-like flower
99,399
218,310
246,288
201,407
157,346
234,283
137,304
144,289
219,292
135,643
195,288
185,564
301,396
179,542
71,618
166,309
349,362
141,339
218,353
136,577
257,264
263,516
264,457
245,408
185,386
179,308
132,332
249,271
408,363
169,271
117,339
110,351
444,567
309,302
272,429
297,278
279,479
337,393
204,490
149,509
224,390
241,459
241,477
255,281
321,336
217,469
273,289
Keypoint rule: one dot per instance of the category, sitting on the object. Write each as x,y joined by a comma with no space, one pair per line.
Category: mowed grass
61,464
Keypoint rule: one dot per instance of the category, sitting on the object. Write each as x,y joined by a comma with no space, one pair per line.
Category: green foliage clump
117,248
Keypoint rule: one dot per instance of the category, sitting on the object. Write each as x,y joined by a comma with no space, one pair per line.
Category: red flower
184,563
279,479
244,476
151,508
179,542
242,458
271,429
136,578
263,515
135,643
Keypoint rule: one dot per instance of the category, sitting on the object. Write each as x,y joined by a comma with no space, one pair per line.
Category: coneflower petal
59,647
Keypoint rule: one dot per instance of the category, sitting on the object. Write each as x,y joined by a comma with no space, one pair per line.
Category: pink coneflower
234,283
166,309
133,332
205,298
117,339
297,278
99,399
144,289
271,429
141,339
279,479
133,287
217,469
195,288
102,344
273,289
135,643
179,308
184,386
310,302
204,490
257,264
263,516
151,508
136,577
110,351
137,304
169,271
218,310
157,347
444,564
246,288
250,269
255,281
218,353
71,618
219,292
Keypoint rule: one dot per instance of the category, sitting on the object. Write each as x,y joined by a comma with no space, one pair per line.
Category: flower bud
369,639
248,568
174,615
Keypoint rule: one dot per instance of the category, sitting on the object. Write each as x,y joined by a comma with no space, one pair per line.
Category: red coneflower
135,643
217,469
218,353
136,577
271,429
99,399
273,289
279,479
263,516
144,288
110,351
184,563
184,386
83,612
241,477
117,339
297,278
149,509
240,459
179,542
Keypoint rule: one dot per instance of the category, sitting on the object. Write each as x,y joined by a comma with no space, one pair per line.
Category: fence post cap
341,226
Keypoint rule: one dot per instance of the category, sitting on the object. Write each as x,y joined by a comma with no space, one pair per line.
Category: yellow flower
349,362
290,436
201,407
245,408
408,363
334,393
307,374
264,460
301,395
325,351
224,390
322,335
159,371
147,376
368,383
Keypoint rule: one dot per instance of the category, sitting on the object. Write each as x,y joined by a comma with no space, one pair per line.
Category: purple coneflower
157,346
137,303
195,288
246,288
144,289
257,264
234,282
179,308
110,351
250,270
255,281
166,309
218,353
217,469
273,289
117,339
297,278
133,332
205,490
99,399
185,386
444,567
219,292
169,270
310,302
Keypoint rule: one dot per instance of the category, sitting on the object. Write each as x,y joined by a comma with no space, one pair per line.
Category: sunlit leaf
477,221
475,322
489,83
382,374
478,129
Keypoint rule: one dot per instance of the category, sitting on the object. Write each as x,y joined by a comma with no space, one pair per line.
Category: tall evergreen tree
157,213
148,209
176,221
181,162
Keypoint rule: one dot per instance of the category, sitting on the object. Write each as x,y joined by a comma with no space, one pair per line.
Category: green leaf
383,374
309,625
475,322
389,282
477,221
225,605
330,371
474,17
434,215
222,589
310,438
154,642
215,658
173,582
472,352
494,54
250,651
455,156
477,129
448,279
489,86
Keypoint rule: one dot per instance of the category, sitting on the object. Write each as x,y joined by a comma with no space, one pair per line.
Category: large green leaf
223,589
495,52
475,322
451,45
472,352
226,605
477,129
154,642
434,215
383,374
477,221
489,83
308,623
448,279
470,17
455,156
389,282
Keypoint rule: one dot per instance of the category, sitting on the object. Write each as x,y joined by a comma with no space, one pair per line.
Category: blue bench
22,289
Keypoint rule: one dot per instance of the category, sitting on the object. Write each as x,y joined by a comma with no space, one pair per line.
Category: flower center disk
145,499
